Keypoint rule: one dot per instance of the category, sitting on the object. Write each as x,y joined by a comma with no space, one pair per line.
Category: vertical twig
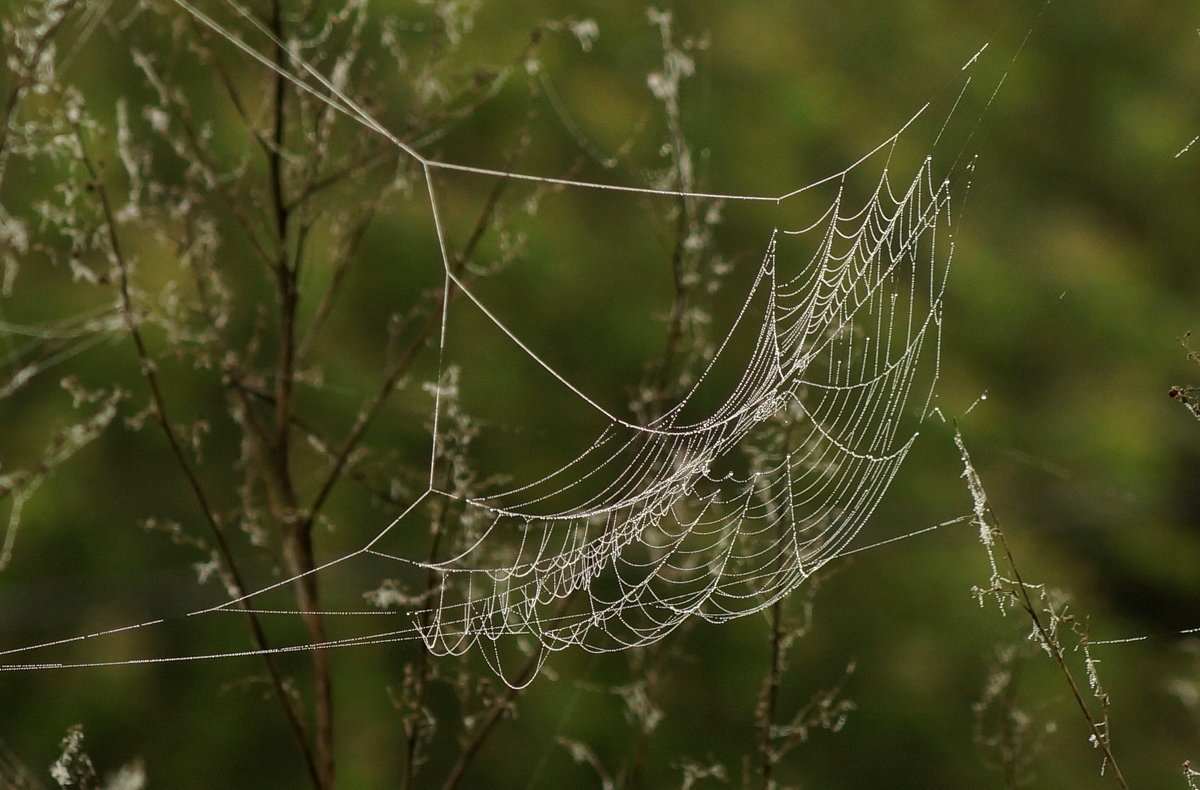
499,707
162,417
414,727
298,546
661,388
768,705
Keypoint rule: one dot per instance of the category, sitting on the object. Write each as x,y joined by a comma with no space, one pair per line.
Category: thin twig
158,400
298,547
1052,645
985,515
26,71
769,698
421,674
499,707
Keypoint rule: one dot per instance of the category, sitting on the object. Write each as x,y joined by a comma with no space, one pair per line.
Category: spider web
762,471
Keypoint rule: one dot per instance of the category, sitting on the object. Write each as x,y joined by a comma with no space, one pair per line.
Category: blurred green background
1077,231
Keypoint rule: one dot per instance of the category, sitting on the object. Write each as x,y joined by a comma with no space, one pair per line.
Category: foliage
218,319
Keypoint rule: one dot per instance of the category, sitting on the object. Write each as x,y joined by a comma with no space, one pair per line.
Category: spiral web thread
714,517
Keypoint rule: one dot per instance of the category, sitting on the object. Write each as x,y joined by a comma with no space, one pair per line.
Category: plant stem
297,538
499,706
162,417
769,698
1052,645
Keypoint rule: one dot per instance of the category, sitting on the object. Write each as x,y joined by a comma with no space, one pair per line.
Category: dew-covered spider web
712,503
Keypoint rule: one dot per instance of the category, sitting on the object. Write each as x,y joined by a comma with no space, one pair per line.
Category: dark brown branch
297,539
161,415
413,724
768,706
816,713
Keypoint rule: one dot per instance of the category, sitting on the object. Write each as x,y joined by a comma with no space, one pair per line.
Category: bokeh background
1076,230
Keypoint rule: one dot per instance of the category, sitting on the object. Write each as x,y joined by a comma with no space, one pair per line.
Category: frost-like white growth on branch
587,31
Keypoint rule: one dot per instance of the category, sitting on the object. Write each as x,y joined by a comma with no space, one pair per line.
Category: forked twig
162,417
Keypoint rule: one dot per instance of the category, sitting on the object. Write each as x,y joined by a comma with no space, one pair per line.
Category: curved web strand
714,516
816,421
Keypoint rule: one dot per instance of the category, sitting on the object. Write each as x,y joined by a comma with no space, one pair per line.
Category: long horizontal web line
1145,638
404,634
408,634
